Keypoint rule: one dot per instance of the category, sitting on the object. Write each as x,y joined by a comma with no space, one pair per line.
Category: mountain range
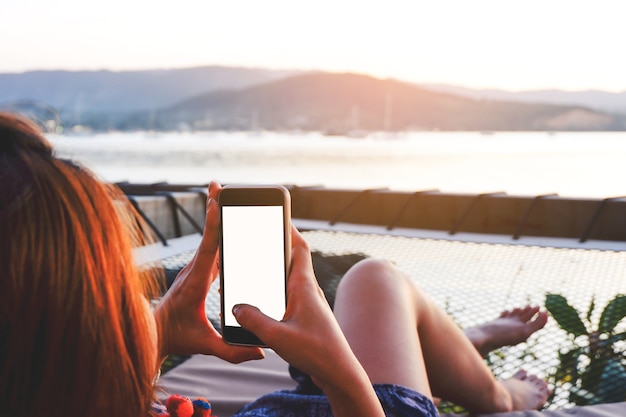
596,99
120,91
254,98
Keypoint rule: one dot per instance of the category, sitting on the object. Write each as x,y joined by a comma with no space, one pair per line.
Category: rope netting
474,282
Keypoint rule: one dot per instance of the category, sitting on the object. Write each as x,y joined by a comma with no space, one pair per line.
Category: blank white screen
253,260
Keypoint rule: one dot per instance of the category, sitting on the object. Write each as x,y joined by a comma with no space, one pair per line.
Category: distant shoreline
576,164
261,99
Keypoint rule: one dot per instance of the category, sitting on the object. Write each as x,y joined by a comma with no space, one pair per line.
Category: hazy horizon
434,84
481,44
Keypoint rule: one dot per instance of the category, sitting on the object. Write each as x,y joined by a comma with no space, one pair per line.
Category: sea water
572,164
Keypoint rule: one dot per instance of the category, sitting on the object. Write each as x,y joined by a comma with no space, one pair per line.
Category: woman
78,337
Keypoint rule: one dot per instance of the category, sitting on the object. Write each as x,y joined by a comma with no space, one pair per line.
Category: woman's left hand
181,316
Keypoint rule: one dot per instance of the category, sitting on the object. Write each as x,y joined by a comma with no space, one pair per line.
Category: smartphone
255,249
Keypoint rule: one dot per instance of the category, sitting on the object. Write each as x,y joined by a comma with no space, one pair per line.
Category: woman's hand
181,316
310,338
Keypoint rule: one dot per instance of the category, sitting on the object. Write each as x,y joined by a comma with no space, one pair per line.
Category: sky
513,45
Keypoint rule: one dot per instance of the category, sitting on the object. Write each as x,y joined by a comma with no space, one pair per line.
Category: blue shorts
397,401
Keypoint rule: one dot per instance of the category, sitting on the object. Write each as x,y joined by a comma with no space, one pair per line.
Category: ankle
500,400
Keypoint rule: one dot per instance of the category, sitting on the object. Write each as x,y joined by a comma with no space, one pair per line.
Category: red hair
74,336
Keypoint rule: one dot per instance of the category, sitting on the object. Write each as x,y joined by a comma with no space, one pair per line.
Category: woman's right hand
181,315
310,338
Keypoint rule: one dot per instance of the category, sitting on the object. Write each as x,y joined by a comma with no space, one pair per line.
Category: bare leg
512,327
401,337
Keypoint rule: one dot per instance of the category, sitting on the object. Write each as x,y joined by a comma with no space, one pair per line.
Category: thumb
253,320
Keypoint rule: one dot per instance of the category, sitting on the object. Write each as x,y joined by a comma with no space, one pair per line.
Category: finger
300,261
211,226
301,253
214,189
207,250
201,270
212,220
253,320
237,354
210,236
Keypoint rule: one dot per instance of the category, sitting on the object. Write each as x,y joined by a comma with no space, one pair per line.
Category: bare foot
528,392
511,328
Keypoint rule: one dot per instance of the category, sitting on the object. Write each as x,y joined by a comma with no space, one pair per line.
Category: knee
374,266
379,282
371,272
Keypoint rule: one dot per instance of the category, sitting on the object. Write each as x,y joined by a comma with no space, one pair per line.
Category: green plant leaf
592,306
613,313
565,315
